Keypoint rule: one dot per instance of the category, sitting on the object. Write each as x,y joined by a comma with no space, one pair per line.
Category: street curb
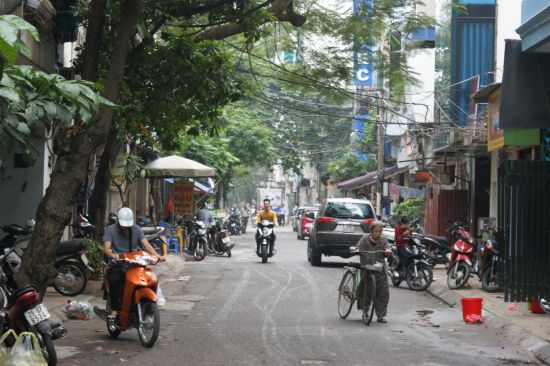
442,293
539,347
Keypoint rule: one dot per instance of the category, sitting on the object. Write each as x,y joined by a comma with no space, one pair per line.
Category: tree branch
283,10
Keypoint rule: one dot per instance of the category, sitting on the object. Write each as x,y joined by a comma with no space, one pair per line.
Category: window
348,210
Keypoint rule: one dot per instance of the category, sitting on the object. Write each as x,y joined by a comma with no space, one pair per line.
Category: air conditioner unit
40,13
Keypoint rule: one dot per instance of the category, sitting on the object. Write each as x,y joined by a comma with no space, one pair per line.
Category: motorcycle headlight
266,232
202,231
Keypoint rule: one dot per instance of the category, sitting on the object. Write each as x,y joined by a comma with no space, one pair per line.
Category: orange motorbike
139,301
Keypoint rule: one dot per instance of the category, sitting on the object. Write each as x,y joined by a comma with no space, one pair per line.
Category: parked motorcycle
437,248
82,228
264,240
198,242
487,268
139,302
418,272
234,223
462,256
219,241
71,261
22,310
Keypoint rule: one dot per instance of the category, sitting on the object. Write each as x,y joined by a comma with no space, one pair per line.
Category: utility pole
381,131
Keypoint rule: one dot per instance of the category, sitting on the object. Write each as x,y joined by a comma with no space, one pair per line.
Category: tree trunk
94,40
54,211
98,209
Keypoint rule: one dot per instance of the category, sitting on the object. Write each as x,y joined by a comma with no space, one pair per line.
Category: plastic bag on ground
4,350
26,352
474,318
161,300
79,310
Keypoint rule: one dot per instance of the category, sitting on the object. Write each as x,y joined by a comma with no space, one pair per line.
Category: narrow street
238,311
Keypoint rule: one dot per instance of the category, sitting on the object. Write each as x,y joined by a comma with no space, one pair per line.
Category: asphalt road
238,311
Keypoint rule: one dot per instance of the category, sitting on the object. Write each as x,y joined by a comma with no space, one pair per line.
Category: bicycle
348,290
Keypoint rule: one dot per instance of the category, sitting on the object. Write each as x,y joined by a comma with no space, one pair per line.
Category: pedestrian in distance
245,215
372,248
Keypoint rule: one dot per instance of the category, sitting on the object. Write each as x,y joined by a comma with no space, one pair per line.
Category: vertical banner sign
362,64
183,198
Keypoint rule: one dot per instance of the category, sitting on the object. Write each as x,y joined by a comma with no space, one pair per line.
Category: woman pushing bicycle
373,247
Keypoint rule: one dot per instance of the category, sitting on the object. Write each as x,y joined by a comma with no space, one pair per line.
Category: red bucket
471,306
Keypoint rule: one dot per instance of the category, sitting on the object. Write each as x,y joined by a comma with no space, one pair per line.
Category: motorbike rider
266,214
122,237
402,232
204,214
374,246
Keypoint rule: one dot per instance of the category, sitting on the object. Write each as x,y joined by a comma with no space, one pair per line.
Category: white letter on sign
363,75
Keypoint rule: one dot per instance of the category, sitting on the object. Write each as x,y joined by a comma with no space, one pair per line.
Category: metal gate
524,215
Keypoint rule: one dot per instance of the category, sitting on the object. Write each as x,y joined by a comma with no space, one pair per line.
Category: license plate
226,240
233,224
36,315
346,228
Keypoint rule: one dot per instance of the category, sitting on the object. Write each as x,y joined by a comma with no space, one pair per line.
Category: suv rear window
349,210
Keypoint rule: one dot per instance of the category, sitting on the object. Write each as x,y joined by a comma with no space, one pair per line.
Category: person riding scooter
266,214
122,237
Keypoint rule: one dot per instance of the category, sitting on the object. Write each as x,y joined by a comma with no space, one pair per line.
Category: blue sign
362,74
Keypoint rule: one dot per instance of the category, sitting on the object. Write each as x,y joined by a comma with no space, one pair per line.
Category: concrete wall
21,189
530,8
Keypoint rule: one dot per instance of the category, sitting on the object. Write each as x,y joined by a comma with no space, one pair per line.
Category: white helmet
125,217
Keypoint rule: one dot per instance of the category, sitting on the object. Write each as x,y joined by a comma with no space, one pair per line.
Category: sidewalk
538,325
55,303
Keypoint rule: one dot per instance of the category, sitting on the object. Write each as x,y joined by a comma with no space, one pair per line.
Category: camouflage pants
382,295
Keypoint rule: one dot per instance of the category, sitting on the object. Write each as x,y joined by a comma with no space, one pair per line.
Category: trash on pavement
26,351
161,300
513,307
474,319
79,310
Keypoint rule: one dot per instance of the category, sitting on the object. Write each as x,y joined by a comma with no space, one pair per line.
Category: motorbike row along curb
460,259
21,309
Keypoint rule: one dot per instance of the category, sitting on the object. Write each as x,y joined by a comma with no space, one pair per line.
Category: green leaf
9,52
64,113
23,128
9,94
21,24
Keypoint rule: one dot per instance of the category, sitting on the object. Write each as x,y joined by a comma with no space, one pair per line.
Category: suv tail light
368,221
322,219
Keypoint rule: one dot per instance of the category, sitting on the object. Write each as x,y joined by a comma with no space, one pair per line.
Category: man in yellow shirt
266,214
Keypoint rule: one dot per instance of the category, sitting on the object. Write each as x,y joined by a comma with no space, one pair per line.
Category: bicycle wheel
346,297
369,292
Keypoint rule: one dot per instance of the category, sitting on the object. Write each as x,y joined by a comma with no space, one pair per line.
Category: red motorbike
24,312
462,256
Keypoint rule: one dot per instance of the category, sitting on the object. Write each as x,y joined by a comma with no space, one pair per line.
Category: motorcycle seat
150,230
71,246
22,290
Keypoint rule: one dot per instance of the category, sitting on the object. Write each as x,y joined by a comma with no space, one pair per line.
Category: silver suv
340,223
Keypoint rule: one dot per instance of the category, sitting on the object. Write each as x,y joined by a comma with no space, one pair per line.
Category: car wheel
314,254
